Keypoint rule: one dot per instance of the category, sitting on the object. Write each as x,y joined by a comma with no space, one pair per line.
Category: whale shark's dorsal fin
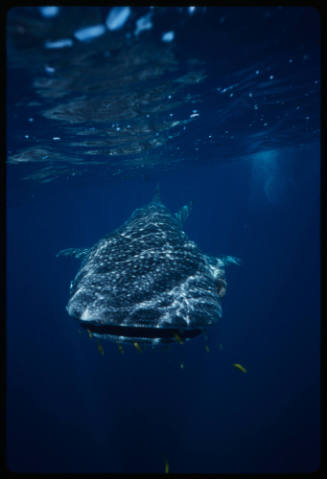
75,252
156,196
184,212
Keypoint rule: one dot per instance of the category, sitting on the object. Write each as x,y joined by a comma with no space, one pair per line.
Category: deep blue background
69,409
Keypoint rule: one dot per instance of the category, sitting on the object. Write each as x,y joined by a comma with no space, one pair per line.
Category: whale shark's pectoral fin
230,260
184,212
77,253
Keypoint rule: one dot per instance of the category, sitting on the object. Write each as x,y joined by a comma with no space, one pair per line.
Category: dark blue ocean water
255,196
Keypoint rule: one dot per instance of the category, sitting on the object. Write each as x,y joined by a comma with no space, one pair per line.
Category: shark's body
147,281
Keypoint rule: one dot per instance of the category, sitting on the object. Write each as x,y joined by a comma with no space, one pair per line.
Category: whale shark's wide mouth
129,333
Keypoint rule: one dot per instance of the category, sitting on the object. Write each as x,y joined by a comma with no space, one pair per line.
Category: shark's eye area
221,286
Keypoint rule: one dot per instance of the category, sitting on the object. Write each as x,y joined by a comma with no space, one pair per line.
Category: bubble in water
49,12
168,37
117,17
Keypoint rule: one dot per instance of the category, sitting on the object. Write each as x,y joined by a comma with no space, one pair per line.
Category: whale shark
147,281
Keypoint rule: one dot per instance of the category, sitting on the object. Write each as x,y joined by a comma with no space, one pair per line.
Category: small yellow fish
166,467
182,365
206,347
120,347
178,338
90,334
220,346
100,348
137,347
79,331
240,367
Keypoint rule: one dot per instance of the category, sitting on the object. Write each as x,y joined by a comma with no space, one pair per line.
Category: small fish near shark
147,281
